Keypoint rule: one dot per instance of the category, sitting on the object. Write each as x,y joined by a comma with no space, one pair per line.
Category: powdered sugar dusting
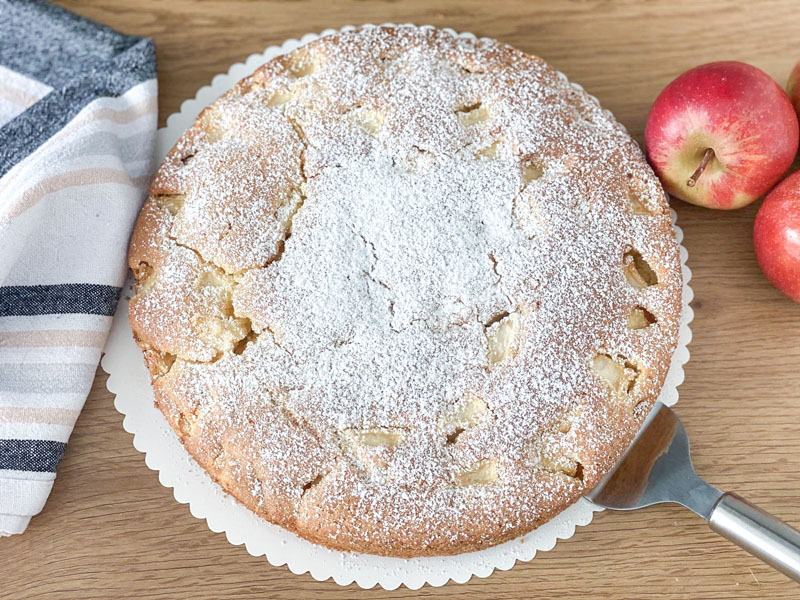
408,222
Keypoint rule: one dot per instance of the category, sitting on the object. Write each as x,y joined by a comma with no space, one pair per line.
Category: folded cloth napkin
77,134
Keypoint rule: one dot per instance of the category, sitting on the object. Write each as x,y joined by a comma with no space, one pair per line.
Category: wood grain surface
110,530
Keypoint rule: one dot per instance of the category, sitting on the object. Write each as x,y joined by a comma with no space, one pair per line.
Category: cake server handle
758,532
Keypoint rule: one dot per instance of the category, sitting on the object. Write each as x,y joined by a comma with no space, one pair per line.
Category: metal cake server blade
657,467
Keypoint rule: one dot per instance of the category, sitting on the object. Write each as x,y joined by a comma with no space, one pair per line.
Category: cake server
657,468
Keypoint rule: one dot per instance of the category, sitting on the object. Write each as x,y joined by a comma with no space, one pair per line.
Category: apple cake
405,293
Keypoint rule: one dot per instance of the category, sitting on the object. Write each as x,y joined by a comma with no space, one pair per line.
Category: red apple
776,236
721,135
793,89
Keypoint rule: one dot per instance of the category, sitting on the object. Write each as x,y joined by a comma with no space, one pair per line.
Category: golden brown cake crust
405,293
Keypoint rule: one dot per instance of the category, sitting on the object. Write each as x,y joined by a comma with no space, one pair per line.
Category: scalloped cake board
130,382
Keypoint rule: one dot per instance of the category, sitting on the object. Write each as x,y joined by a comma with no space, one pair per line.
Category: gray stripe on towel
46,378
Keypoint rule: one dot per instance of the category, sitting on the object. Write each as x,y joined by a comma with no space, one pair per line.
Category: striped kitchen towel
77,133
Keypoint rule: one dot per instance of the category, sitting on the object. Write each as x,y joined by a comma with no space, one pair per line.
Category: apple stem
709,154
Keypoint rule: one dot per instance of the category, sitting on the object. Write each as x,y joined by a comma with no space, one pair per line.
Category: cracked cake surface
405,293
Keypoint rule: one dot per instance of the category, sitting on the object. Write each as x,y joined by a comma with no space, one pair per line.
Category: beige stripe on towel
84,338
79,177
27,414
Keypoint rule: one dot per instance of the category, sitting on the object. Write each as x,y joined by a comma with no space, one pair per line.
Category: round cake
406,293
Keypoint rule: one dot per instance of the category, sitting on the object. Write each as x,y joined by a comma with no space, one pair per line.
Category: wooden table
110,530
